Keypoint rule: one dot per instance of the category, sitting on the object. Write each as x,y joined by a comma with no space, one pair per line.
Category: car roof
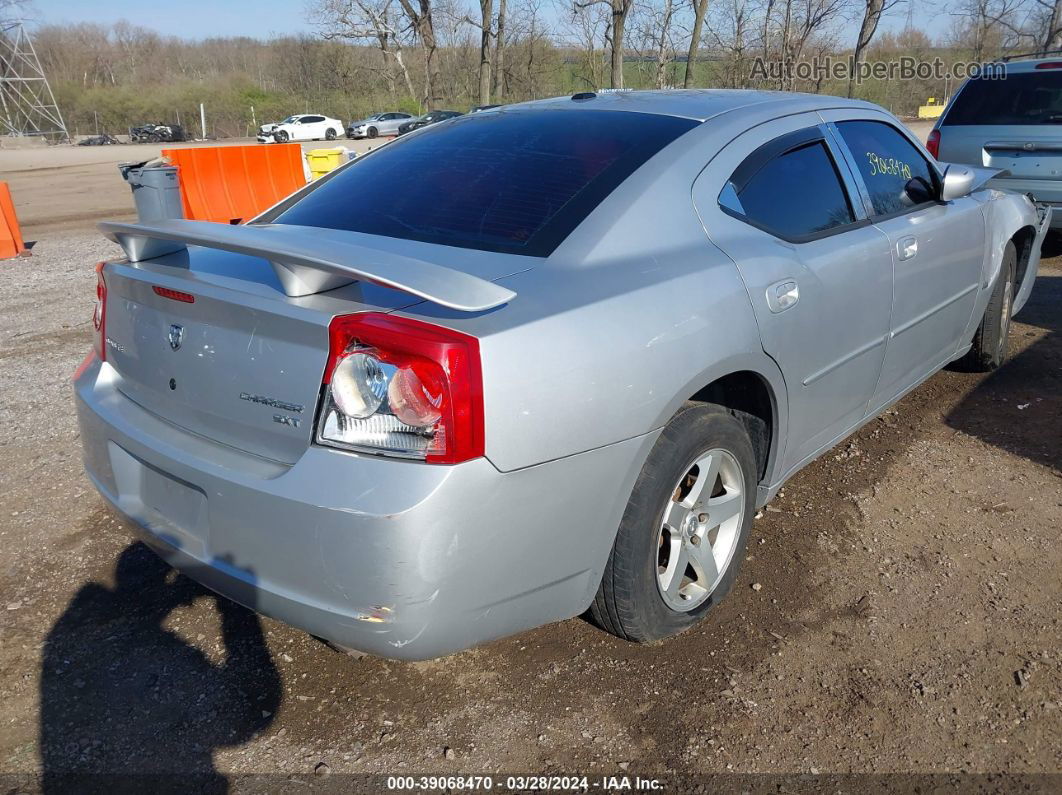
697,104
1030,65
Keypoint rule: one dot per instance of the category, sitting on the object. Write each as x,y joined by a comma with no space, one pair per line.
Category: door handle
782,295
906,247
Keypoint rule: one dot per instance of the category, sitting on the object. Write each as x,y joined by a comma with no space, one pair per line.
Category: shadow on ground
1008,408
124,694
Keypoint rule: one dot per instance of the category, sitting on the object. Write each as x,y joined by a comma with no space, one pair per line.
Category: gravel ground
898,611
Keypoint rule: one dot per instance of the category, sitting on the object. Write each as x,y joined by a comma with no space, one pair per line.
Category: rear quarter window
795,195
1019,98
516,182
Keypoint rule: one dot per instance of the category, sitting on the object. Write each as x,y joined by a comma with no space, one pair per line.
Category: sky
193,19
197,19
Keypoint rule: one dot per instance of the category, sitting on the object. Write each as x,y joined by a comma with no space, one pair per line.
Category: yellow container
931,110
324,160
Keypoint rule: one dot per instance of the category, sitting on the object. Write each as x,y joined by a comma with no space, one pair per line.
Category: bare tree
421,18
619,9
663,18
499,51
986,27
872,13
362,20
700,7
587,24
1047,25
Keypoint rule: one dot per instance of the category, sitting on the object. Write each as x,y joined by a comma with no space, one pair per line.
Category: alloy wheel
700,528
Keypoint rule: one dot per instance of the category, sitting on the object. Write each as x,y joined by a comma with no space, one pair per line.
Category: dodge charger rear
557,369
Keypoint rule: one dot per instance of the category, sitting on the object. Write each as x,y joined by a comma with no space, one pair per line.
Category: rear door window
887,161
796,195
1022,98
516,182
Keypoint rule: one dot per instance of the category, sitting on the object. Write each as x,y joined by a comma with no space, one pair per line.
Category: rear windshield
516,182
1022,98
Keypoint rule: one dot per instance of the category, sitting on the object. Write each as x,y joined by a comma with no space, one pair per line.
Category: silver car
1009,124
560,368
377,124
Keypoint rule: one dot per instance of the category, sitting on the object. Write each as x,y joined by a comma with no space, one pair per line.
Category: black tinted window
887,161
517,182
312,119
1025,98
797,194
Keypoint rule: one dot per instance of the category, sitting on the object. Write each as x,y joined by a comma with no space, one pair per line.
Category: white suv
303,127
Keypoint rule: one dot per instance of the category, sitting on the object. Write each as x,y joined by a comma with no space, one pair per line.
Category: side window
312,119
796,194
887,161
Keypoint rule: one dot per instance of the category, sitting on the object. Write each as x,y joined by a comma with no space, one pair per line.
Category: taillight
99,313
933,143
402,387
1049,65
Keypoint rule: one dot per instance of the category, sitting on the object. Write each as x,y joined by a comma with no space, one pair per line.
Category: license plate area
169,508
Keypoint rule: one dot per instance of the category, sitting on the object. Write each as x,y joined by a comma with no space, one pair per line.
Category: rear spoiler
309,260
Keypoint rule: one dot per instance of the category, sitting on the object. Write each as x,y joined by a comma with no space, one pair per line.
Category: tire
330,134
989,349
631,601
372,132
154,138
280,137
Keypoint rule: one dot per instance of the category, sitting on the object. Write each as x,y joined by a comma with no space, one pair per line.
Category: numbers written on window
795,195
887,162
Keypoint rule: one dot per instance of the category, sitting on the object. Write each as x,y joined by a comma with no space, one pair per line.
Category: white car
302,127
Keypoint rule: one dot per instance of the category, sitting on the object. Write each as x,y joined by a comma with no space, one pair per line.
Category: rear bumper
395,558
1043,191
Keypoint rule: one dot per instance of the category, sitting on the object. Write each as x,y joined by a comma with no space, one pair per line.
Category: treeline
414,55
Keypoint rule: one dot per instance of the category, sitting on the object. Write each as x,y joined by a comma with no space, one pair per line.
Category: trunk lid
242,363
223,330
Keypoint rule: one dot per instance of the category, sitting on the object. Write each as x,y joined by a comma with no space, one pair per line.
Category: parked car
154,133
414,425
1011,124
433,117
377,124
303,127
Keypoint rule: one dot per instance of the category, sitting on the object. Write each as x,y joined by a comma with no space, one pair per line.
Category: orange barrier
232,184
11,244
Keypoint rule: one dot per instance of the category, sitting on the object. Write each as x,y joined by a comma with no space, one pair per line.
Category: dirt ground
906,620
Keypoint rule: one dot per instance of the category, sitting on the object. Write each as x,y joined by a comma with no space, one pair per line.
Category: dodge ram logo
176,335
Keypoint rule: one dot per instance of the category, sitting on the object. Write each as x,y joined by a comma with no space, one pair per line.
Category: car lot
906,614
72,187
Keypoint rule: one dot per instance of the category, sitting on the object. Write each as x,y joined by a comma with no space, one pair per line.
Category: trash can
156,191
324,160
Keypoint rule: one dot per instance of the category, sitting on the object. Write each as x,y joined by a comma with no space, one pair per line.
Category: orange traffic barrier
11,244
232,184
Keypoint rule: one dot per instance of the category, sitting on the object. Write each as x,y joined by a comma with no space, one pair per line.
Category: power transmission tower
27,104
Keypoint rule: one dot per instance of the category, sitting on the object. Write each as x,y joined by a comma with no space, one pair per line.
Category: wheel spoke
707,474
676,568
725,507
674,515
702,558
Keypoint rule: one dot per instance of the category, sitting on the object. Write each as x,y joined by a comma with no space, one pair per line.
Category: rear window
516,182
1022,98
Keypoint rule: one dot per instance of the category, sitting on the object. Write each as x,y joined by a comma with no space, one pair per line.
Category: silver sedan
377,124
558,366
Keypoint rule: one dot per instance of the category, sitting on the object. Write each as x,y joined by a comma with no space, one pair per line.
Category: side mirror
958,182
919,191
